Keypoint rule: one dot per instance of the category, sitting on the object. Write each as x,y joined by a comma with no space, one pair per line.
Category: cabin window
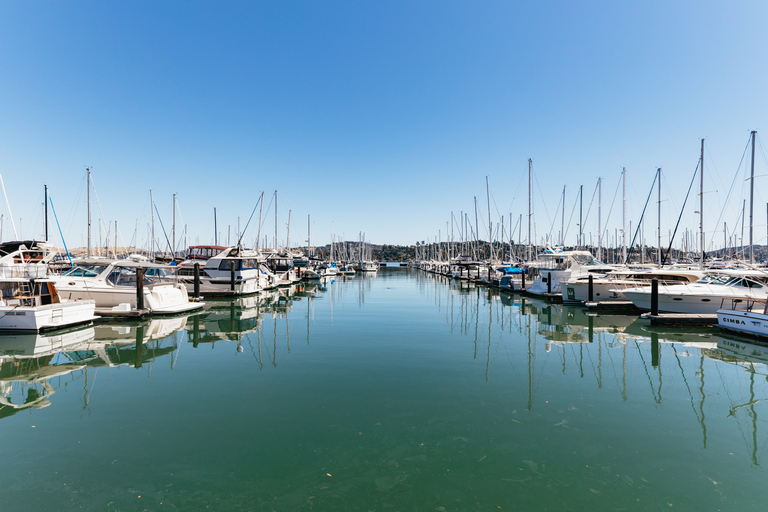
227,265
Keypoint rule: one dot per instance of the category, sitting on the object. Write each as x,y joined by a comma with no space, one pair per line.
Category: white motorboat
234,271
608,287
716,290
560,267
113,285
29,299
752,321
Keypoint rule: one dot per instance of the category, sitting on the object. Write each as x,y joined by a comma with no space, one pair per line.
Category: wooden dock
611,305
128,313
681,319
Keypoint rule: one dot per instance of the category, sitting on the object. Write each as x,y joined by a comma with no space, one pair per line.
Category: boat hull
48,317
743,322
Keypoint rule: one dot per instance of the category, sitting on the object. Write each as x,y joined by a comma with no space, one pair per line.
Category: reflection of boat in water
225,319
28,361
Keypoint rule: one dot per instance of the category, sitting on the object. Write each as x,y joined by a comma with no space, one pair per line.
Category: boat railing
23,271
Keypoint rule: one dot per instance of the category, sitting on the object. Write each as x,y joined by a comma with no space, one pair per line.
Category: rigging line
589,208
261,225
672,238
637,231
102,215
570,220
538,187
163,227
733,183
59,226
552,226
608,218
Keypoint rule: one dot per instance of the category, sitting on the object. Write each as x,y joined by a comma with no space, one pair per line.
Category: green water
403,391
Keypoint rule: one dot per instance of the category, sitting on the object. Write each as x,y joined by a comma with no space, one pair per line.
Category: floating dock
682,319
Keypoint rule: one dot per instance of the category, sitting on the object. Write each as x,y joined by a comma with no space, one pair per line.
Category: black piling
232,276
139,288
197,280
591,289
655,297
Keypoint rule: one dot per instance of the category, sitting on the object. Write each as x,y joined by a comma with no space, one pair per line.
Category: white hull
160,299
697,304
48,317
745,322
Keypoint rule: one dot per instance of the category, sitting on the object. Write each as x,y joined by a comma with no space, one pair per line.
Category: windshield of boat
85,271
729,280
585,259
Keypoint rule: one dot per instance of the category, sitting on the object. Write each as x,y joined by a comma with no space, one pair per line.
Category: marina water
393,391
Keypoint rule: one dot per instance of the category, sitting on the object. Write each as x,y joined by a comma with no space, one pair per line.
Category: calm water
402,391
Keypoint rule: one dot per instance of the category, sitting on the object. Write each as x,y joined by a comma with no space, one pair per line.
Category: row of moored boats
41,291
737,294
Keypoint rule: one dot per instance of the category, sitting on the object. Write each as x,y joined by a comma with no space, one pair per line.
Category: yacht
113,285
717,289
561,266
29,299
608,287
233,271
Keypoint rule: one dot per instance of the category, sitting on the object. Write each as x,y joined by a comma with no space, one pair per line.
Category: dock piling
139,288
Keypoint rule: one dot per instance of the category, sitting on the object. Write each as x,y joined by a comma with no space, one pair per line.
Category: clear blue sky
378,117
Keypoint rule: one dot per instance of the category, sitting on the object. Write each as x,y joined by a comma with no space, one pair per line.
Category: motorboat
29,298
114,286
752,320
717,289
608,287
232,272
559,267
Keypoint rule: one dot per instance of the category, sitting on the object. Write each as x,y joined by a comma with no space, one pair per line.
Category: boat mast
701,205
562,221
215,228
659,220
152,210
8,205
46,212
751,202
530,214
88,188
288,234
581,222
599,219
490,230
275,220
624,216
173,236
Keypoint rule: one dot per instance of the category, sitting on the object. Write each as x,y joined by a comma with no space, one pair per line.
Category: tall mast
751,202
88,187
490,230
530,206
152,210
215,228
258,236
8,205
173,236
562,221
275,220
599,219
309,235
701,205
581,210
624,217
659,220
46,212
288,234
